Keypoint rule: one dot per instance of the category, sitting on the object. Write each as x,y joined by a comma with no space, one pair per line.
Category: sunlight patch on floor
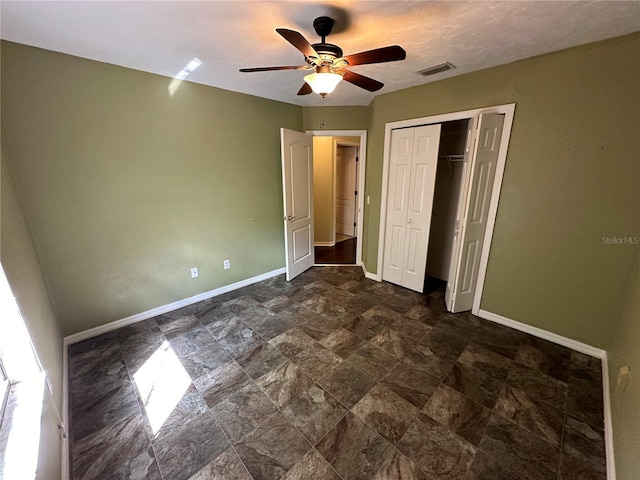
161,381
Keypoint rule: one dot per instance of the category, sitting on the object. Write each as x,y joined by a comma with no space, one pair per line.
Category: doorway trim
362,159
509,111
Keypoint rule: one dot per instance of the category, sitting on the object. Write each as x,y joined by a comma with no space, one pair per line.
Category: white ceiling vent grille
443,67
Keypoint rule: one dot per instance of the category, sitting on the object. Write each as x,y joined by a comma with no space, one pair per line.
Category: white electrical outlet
194,272
227,264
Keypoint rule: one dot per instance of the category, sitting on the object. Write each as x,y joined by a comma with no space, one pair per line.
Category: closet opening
446,195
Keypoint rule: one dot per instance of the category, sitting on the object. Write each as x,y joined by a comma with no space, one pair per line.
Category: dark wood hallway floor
342,253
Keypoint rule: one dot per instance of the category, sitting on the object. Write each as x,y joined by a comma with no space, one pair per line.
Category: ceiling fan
326,62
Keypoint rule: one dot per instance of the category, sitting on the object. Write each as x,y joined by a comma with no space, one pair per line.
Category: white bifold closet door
412,176
473,210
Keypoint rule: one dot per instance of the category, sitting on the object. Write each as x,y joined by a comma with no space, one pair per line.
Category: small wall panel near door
412,175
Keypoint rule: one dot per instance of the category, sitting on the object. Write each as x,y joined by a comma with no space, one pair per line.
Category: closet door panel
482,194
474,221
470,257
397,204
412,266
420,181
401,184
396,248
424,163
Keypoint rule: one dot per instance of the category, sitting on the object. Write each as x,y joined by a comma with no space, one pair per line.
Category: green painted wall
345,118
624,350
571,178
22,269
323,189
125,187
335,118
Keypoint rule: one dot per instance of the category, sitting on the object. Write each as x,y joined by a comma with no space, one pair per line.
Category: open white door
412,177
297,187
346,187
473,210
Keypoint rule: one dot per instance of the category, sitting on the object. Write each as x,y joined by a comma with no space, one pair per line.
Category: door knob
409,221
290,218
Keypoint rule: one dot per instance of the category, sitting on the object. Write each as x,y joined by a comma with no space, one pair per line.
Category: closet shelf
451,158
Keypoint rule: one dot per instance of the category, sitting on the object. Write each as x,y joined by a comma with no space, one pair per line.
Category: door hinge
356,192
357,159
354,224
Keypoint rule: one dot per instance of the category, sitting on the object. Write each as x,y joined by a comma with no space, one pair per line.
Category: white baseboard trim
608,423
369,275
544,334
372,276
579,347
64,462
324,244
94,332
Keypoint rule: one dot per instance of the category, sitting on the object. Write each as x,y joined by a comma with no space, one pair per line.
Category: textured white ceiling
163,36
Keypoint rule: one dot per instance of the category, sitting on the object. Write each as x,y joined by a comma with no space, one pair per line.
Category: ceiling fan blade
305,89
297,40
267,69
361,81
378,55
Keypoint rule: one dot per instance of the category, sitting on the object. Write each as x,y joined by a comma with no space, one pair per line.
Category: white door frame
362,158
508,110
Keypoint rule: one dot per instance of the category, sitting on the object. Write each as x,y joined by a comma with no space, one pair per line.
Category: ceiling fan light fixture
329,64
323,83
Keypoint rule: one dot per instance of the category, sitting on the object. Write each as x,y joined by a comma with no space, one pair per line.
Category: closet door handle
409,221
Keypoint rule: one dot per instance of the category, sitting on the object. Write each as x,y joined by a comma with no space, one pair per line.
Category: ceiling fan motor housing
327,51
323,26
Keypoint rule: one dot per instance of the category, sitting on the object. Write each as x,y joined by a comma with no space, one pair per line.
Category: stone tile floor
331,376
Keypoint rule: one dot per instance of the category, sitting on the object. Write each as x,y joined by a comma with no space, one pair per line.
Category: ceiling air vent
443,67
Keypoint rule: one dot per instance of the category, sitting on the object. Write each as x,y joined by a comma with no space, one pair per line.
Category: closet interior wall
453,138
